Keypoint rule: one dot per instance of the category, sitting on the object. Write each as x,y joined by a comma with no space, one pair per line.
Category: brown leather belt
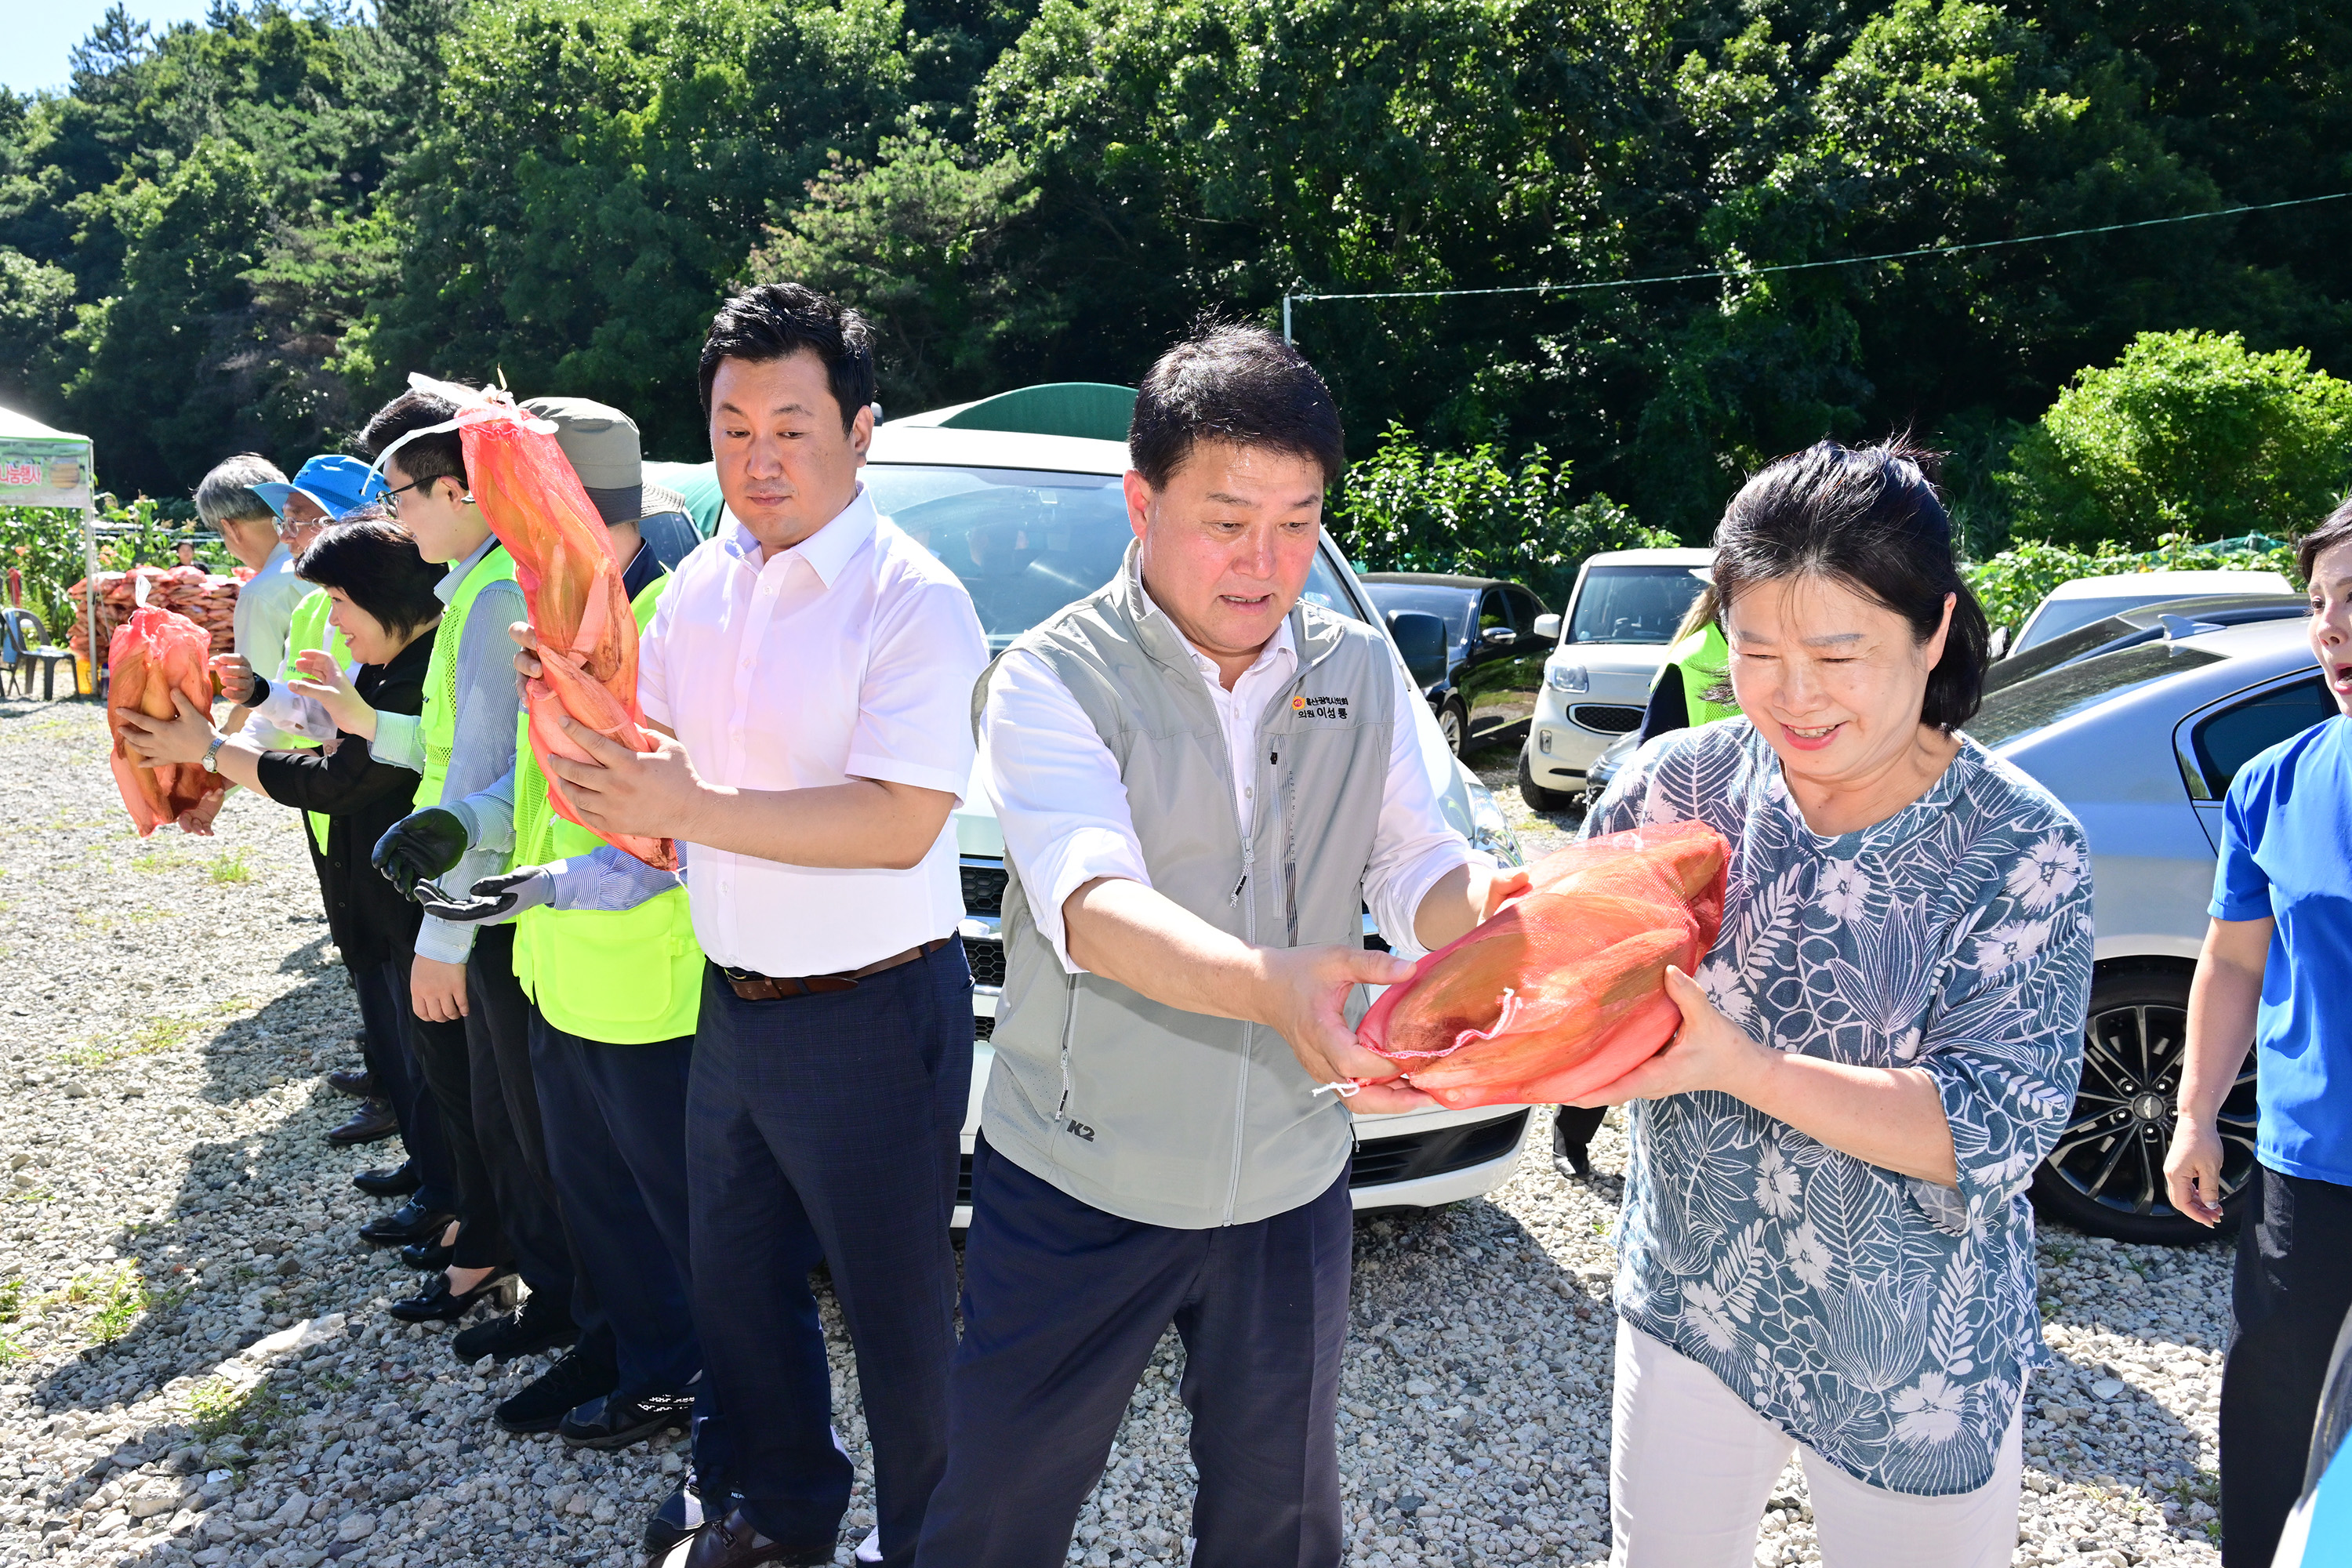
783,987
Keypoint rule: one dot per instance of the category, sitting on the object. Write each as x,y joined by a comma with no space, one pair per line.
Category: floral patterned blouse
1883,1321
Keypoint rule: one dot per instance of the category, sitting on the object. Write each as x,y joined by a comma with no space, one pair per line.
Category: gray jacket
1144,1110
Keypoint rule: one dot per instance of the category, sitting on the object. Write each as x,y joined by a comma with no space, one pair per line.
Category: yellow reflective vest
625,977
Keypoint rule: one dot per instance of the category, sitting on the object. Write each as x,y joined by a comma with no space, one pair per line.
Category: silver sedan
2141,742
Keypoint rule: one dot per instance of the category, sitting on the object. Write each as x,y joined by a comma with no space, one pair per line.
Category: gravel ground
197,1366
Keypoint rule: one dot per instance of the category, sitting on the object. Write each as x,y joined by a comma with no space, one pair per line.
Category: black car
1494,650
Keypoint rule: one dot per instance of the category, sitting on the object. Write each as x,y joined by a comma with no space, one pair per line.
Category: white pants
1690,1467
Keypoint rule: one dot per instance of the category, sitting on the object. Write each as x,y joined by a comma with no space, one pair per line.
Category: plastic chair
24,641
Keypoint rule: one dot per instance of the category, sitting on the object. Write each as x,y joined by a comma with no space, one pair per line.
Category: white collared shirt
265,609
1062,807
851,655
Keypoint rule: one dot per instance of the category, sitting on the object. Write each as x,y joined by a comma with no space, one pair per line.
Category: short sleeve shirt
1883,1321
851,655
2286,856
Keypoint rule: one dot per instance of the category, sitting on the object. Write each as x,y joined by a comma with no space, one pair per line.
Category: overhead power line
1801,265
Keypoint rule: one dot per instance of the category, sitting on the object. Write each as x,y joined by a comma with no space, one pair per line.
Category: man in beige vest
1202,783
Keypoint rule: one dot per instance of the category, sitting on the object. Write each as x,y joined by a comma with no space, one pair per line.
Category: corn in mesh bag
1563,989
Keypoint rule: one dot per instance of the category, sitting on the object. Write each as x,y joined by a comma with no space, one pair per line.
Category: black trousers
391,1054
446,1062
824,1128
614,1118
507,1124
1063,1306
2292,1288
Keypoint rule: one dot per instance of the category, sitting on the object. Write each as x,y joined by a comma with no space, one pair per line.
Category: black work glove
493,898
420,846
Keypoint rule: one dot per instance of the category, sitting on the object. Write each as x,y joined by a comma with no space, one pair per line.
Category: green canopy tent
41,467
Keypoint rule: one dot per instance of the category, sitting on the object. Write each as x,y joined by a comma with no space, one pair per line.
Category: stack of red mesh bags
204,597
1562,991
151,655
570,586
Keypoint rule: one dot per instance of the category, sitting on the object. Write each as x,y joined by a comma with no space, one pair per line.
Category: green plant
1408,507
231,868
2188,433
2012,583
218,1409
154,1034
121,1297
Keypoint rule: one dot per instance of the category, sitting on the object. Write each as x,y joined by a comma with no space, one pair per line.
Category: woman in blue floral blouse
1826,1245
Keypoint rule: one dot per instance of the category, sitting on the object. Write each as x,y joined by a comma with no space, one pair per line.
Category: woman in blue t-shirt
2273,976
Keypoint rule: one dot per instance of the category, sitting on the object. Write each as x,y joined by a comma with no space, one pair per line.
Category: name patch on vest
1319,707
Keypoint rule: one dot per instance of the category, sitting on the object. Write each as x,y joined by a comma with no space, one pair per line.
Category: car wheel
1538,797
2106,1175
1453,724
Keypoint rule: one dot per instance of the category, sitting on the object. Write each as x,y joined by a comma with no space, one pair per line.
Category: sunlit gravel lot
194,1364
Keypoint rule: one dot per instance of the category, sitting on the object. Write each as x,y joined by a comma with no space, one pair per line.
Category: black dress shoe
577,1378
527,1329
371,1121
613,1421
679,1516
357,1082
392,1182
731,1542
426,1255
1572,1129
411,1222
438,1304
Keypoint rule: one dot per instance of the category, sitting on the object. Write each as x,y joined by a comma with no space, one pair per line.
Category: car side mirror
1548,628
1421,639
1998,647
1498,636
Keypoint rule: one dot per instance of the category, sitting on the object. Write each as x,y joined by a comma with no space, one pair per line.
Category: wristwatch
212,753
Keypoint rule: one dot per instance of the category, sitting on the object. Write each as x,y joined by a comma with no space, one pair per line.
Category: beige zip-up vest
1143,1110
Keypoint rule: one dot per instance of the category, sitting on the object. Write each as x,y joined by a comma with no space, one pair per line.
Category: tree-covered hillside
240,233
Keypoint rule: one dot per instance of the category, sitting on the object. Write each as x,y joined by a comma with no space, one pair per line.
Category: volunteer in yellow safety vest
469,1025
614,978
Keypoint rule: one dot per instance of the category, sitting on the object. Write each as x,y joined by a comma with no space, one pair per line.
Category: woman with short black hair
1826,1246
384,606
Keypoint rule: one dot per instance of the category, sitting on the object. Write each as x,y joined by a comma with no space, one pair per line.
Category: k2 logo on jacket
1080,1130
1319,707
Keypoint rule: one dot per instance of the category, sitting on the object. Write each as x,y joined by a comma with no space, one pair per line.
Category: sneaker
870,1549
529,1328
613,1422
573,1381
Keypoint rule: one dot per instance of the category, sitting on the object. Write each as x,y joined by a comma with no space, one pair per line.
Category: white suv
1620,622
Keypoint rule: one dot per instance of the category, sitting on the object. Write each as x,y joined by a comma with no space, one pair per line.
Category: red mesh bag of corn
571,587
150,656
1563,990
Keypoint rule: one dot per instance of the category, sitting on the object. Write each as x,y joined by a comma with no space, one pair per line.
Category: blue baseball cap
338,486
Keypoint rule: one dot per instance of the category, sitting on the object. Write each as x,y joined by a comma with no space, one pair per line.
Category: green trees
2187,432
595,175
1408,508
243,233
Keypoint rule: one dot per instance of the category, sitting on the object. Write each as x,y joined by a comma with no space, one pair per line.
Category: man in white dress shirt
1201,782
814,665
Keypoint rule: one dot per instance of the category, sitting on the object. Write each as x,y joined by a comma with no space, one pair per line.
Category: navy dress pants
445,1058
508,1127
2292,1288
385,1017
614,1118
824,1128
1063,1306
